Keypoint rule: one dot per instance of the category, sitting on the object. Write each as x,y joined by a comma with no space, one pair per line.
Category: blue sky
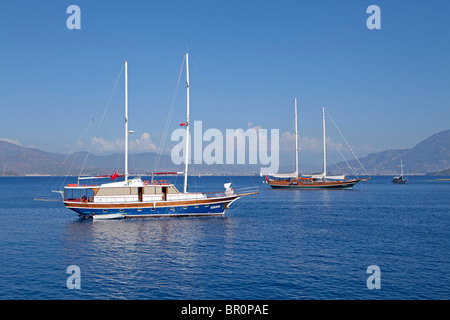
385,89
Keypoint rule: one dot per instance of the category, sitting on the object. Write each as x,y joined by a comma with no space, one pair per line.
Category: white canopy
286,175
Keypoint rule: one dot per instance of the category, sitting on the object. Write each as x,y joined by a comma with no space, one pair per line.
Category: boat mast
324,145
401,168
126,121
187,125
296,139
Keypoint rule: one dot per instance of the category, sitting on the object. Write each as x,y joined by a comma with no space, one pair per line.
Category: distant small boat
320,181
401,178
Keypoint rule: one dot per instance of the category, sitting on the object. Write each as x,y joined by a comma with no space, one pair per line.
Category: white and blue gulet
134,197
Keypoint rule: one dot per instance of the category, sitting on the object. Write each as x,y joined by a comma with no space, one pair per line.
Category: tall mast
296,139
187,125
324,145
126,121
401,167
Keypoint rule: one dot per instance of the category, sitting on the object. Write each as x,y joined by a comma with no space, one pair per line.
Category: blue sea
276,245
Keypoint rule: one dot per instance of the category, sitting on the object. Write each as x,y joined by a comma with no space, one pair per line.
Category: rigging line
103,116
202,82
346,142
251,177
337,148
211,101
63,163
74,158
169,116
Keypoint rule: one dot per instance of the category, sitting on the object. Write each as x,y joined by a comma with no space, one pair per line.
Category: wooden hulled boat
322,181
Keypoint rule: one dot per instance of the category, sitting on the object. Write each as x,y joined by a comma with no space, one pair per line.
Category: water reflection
151,253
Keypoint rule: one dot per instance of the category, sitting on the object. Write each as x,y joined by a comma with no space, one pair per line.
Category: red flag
114,176
183,124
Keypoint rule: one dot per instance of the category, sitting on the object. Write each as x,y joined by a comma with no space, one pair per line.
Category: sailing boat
294,181
401,178
134,198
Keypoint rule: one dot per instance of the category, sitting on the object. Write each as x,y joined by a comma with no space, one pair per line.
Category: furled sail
285,175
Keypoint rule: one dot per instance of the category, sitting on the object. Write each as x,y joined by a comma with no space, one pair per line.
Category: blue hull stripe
217,208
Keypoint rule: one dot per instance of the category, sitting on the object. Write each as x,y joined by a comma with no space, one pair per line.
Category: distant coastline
429,157
227,174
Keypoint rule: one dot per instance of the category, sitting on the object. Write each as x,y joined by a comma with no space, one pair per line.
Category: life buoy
154,182
162,181
129,182
145,183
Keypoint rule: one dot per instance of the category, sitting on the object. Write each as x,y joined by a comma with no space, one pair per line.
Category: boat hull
400,181
208,207
313,185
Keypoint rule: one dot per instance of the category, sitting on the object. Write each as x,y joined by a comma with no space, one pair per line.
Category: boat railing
247,190
173,197
231,192
214,194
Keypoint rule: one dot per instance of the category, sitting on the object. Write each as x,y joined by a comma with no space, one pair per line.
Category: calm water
279,244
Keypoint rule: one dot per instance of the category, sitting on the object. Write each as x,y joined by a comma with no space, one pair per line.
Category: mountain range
431,155
16,160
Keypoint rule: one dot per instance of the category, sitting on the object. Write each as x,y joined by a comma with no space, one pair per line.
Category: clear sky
385,89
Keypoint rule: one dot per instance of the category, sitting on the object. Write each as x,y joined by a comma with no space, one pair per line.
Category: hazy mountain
429,155
18,160
15,160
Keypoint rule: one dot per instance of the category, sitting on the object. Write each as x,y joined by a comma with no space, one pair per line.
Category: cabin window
172,190
196,207
206,205
139,210
149,190
104,210
121,210
184,208
116,191
153,209
78,194
172,209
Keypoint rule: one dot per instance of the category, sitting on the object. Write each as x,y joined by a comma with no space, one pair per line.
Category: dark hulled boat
400,179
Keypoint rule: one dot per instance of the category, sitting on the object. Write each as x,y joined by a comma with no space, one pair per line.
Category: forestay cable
347,143
101,120
169,116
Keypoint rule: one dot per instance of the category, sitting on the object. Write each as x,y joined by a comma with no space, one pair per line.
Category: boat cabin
121,192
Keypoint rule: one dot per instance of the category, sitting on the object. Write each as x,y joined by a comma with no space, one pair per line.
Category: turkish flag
114,176
183,124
